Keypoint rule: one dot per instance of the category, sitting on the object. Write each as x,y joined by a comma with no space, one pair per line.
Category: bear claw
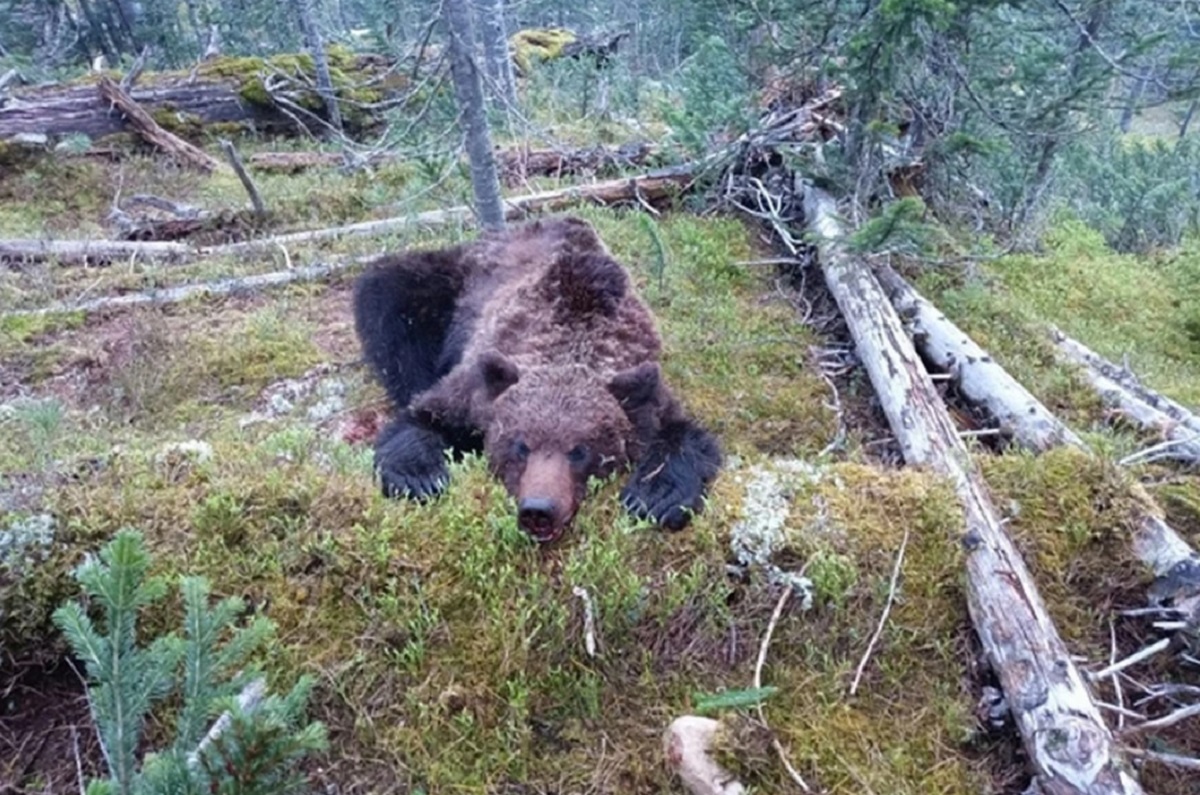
412,485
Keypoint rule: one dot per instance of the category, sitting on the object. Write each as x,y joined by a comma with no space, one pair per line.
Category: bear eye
521,449
578,454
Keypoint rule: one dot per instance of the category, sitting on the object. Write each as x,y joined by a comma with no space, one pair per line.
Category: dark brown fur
546,356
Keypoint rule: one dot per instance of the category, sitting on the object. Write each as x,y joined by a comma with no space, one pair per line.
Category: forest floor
449,651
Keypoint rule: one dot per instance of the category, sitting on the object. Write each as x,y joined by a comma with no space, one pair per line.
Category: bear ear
635,387
498,374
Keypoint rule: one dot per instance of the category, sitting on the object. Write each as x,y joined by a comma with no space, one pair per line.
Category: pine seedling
252,747
127,679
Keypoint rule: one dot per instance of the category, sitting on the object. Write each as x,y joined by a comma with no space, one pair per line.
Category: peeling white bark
985,382
1069,745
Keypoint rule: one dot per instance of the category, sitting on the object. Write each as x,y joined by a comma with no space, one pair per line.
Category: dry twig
758,668
883,618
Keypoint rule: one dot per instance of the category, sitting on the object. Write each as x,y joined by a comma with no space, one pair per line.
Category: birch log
980,378
1069,746
650,187
1034,427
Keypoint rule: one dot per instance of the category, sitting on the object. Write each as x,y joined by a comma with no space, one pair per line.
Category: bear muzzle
545,497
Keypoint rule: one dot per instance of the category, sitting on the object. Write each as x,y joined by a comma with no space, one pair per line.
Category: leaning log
984,382
225,91
1069,746
650,188
151,131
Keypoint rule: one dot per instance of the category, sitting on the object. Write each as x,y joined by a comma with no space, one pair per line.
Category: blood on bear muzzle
546,497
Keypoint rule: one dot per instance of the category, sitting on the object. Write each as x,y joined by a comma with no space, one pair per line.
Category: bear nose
536,517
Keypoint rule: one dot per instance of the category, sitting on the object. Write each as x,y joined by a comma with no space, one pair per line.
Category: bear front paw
413,485
662,496
411,462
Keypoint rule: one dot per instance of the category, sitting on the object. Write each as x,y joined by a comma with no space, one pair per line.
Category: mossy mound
451,652
535,45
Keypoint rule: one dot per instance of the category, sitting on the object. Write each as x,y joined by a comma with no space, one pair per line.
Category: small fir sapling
252,748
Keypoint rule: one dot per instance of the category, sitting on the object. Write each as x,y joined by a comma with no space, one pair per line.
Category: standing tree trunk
316,47
468,90
496,60
1187,118
1131,104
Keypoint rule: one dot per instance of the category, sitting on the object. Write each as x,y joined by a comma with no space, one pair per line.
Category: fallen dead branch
1069,746
235,161
93,252
184,292
1033,426
515,164
981,380
655,186
248,701
1081,354
1120,390
150,130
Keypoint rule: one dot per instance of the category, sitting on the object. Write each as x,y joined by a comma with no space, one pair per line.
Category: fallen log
229,92
981,379
92,252
1078,353
655,186
185,292
1035,428
515,164
1067,742
150,130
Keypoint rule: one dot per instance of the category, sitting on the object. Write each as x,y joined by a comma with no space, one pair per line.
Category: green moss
538,44
451,650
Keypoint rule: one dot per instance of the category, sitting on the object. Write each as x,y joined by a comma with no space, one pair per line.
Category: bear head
547,430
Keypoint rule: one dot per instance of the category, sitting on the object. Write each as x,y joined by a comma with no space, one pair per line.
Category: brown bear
531,345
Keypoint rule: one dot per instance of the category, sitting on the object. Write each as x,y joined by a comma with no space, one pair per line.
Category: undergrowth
449,653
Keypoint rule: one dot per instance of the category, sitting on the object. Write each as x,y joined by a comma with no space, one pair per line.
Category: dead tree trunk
986,383
980,378
468,89
1078,353
150,130
1069,746
657,186
224,91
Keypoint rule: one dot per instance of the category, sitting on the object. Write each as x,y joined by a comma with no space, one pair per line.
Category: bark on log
1079,353
515,164
150,130
985,382
980,378
185,292
652,187
92,252
222,91
1068,744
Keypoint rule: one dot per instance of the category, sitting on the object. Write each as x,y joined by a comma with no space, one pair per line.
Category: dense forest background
1013,108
